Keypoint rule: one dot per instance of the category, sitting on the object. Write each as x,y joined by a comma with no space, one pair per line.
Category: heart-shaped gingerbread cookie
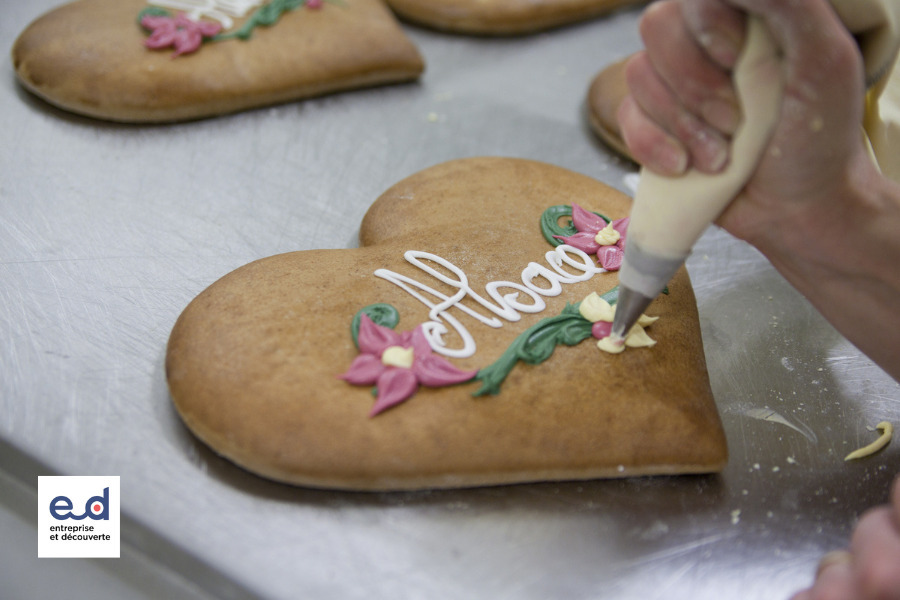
503,17
171,60
480,346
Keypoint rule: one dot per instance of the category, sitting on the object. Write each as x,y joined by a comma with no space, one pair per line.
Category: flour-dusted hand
817,205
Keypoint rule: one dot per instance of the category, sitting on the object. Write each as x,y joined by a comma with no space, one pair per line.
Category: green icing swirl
381,313
550,223
537,343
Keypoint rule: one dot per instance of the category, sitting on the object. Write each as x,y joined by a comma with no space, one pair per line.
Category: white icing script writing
507,306
220,10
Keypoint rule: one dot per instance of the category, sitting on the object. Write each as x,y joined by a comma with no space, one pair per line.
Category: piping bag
669,214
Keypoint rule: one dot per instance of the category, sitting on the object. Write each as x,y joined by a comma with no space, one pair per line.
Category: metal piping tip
629,308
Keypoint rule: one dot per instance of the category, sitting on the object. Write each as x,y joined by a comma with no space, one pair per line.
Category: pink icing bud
601,329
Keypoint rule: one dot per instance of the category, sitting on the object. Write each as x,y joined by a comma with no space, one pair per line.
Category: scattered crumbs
770,298
791,460
621,468
756,466
735,516
776,469
820,369
744,492
833,500
769,514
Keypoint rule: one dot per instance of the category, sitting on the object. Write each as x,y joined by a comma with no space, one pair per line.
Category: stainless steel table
108,231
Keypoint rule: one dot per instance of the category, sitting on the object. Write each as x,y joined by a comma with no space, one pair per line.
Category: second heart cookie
134,61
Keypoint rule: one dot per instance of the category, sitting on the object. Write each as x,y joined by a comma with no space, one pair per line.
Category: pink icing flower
397,382
589,226
180,32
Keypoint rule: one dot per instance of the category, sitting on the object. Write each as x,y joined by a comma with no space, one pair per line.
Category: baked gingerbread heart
503,17
134,61
486,367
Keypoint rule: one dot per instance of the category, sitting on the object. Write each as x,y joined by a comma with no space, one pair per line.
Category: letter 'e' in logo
96,507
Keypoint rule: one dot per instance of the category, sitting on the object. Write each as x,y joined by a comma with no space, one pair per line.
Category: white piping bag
670,214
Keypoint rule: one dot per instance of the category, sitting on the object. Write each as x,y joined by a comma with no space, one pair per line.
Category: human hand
683,109
870,568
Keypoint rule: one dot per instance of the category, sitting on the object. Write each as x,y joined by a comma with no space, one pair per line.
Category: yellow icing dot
607,236
395,356
612,344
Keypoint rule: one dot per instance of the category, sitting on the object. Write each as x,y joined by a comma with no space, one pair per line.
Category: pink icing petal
434,371
364,370
584,241
610,257
586,221
394,386
601,329
158,22
209,28
374,338
621,225
419,343
187,41
313,4
162,37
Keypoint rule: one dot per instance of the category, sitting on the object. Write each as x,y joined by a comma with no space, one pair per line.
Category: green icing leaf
152,11
550,225
381,313
537,343
265,15
534,346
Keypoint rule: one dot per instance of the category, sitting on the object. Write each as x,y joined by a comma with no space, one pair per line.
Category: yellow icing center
395,356
607,236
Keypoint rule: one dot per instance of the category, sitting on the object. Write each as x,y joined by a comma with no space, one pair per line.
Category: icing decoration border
398,363
186,34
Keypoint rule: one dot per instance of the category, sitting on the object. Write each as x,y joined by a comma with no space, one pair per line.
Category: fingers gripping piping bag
670,214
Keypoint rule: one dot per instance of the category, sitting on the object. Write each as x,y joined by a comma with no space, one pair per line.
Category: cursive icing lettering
506,306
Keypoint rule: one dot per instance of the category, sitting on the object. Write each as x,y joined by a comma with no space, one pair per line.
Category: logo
78,517
96,508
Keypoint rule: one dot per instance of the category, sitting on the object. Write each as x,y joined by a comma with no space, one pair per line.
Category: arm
817,206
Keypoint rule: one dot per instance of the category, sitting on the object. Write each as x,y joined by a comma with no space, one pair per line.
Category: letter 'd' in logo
96,507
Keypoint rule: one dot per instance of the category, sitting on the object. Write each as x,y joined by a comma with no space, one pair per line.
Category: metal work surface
108,231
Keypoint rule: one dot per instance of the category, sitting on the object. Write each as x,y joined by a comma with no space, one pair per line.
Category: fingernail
721,114
670,158
722,48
